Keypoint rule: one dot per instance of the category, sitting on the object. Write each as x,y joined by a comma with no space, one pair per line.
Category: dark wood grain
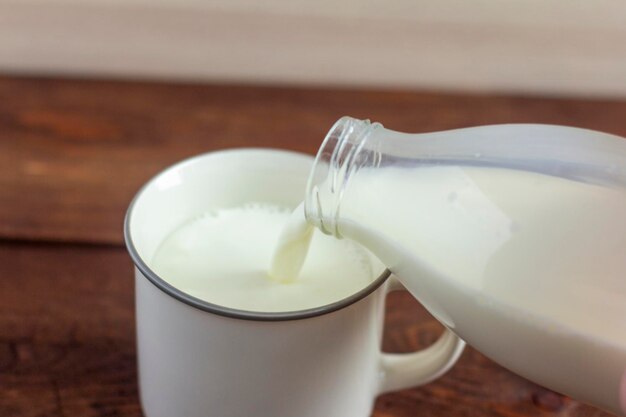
67,346
72,154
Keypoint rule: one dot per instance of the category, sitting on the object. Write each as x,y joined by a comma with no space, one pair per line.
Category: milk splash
292,248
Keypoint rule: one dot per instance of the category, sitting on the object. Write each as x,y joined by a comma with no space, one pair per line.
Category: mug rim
229,312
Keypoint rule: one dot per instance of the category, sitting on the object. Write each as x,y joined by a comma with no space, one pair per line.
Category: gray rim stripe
161,284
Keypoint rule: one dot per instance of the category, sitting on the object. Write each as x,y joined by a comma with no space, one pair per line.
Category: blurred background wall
548,47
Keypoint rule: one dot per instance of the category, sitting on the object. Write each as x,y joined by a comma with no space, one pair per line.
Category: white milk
292,248
223,257
528,268
547,245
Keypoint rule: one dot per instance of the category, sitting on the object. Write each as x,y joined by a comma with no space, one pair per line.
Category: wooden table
73,153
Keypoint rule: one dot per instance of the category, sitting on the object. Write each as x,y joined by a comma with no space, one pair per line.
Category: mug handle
405,370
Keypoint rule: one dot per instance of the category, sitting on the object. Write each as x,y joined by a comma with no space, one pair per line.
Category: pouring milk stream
513,236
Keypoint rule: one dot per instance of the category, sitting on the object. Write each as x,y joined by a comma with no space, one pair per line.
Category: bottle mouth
336,161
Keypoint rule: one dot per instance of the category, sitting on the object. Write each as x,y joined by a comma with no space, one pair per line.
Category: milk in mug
224,256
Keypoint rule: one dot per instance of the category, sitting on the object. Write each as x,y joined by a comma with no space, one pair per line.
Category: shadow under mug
198,359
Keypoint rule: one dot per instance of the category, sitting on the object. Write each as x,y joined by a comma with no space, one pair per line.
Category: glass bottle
510,235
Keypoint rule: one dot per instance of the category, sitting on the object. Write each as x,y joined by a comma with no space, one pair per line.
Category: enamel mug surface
198,359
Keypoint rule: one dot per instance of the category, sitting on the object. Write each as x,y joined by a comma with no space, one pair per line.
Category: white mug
198,359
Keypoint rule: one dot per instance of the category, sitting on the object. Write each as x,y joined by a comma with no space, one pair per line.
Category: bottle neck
350,145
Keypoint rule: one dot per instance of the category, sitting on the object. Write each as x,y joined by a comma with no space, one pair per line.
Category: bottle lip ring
334,164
